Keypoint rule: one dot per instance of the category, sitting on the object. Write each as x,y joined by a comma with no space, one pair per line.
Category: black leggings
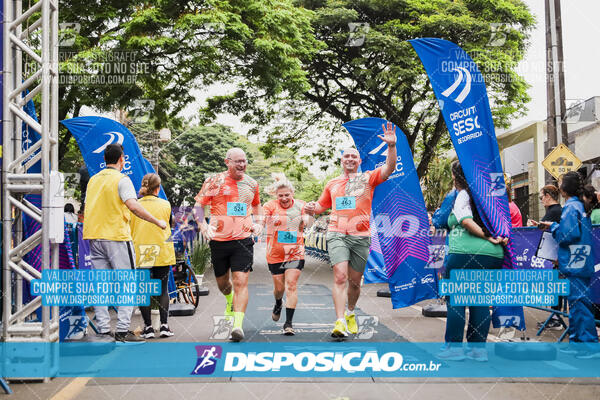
161,273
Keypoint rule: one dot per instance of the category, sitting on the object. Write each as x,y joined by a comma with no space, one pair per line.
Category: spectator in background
576,263
471,246
516,220
71,221
592,206
549,198
84,178
70,217
440,220
80,213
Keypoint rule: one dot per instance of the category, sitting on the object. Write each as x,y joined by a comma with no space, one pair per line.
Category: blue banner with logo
93,134
399,223
527,244
201,361
461,93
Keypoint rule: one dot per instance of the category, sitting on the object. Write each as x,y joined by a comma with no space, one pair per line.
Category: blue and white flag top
461,93
93,134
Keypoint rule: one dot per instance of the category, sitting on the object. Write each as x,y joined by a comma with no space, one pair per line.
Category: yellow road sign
560,161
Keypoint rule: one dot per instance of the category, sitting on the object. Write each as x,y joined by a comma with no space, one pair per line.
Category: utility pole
155,150
161,136
555,79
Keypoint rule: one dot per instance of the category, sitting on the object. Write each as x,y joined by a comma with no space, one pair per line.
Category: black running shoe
277,311
128,337
165,331
148,333
288,330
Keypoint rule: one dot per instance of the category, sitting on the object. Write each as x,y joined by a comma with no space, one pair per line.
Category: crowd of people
121,224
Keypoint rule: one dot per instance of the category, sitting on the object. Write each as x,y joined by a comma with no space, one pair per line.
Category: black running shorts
234,255
280,268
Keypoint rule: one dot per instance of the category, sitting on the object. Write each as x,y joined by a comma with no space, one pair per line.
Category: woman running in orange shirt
285,219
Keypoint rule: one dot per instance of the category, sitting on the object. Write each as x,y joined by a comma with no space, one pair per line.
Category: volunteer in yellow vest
110,197
153,250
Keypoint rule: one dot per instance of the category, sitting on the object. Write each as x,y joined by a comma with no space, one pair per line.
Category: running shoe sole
339,334
289,331
237,335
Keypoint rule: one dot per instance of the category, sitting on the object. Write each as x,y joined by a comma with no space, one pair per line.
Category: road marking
71,391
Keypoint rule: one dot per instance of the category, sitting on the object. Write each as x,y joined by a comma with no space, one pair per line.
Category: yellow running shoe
351,323
339,330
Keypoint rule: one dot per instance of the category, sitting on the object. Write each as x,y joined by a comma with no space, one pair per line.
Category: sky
582,58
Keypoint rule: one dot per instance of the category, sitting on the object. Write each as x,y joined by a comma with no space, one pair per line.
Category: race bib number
345,203
287,237
235,209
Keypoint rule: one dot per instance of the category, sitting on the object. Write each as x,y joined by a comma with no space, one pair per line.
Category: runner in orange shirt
348,235
233,199
285,219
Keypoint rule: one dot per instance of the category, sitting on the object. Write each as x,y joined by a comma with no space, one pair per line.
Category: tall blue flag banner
93,134
399,222
461,93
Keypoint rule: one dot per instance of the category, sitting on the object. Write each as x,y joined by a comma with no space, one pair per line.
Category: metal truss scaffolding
30,53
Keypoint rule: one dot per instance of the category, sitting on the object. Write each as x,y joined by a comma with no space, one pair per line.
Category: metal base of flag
384,293
181,310
202,291
435,311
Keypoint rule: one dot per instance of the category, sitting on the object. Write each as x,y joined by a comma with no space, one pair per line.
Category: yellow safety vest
151,246
106,216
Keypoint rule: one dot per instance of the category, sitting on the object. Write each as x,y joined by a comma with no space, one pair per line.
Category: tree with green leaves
186,161
368,69
437,182
116,52
197,151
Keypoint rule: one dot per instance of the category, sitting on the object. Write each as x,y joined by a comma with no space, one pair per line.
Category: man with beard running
348,235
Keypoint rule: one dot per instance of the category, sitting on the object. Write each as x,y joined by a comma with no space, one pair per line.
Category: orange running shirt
230,204
350,202
283,226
